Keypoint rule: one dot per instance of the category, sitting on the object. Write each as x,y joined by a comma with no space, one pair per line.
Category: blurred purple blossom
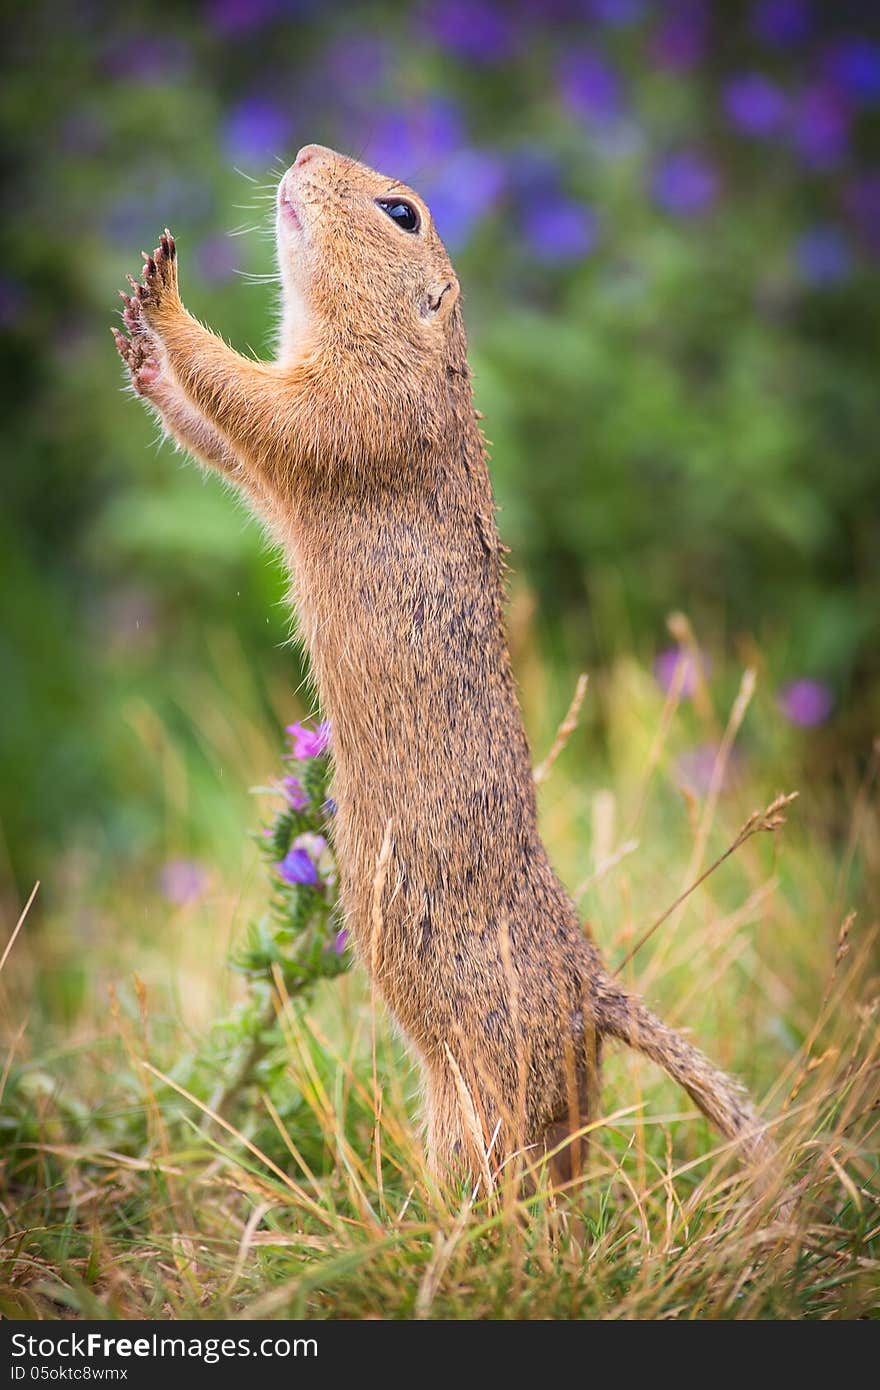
340,941
754,104
821,126
695,768
256,130
477,30
466,188
590,86
308,743
298,867
294,793
217,258
681,37
782,22
666,665
558,229
853,66
183,881
806,702
406,142
822,255
12,301
685,184
862,198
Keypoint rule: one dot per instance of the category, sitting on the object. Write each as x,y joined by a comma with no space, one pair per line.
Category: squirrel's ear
436,303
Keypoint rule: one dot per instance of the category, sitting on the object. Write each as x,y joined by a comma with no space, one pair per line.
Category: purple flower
473,29
295,794
466,188
308,743
681,39
298,867
183,881
217,258
754,104
805,702
341,941
590,87
256,130
685,184
782,22
559,229
822,255
863,204
821,126
853,66
667,664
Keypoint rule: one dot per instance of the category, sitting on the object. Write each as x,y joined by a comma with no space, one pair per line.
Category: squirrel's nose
309,152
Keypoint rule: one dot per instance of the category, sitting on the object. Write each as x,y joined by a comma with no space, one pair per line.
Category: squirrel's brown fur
360,447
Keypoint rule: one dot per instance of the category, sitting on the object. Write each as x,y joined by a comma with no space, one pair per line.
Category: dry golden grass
126,1193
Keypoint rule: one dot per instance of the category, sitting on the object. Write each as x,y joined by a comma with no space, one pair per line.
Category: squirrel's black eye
404,214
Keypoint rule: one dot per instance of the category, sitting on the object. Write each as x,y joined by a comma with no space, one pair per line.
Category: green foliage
160,1163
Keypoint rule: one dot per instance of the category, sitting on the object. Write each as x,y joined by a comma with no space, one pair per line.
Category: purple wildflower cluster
302,935
810,113
596,59
299,866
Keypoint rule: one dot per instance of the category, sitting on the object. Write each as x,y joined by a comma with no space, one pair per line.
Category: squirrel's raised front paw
140,356
143,308
158,291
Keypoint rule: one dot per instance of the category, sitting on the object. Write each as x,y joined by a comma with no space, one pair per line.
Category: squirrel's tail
722,1100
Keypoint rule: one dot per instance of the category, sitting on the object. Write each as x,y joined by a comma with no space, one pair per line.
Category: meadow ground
124,1194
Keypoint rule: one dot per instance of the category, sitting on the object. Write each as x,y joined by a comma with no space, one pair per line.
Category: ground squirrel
361,450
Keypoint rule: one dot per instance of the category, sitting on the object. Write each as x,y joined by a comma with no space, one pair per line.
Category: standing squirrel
360,449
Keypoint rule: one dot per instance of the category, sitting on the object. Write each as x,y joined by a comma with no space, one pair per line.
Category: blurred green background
666,218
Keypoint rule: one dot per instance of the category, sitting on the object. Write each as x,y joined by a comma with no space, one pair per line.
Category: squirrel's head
359,254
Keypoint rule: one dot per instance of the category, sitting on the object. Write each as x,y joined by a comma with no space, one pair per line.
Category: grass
125,1195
